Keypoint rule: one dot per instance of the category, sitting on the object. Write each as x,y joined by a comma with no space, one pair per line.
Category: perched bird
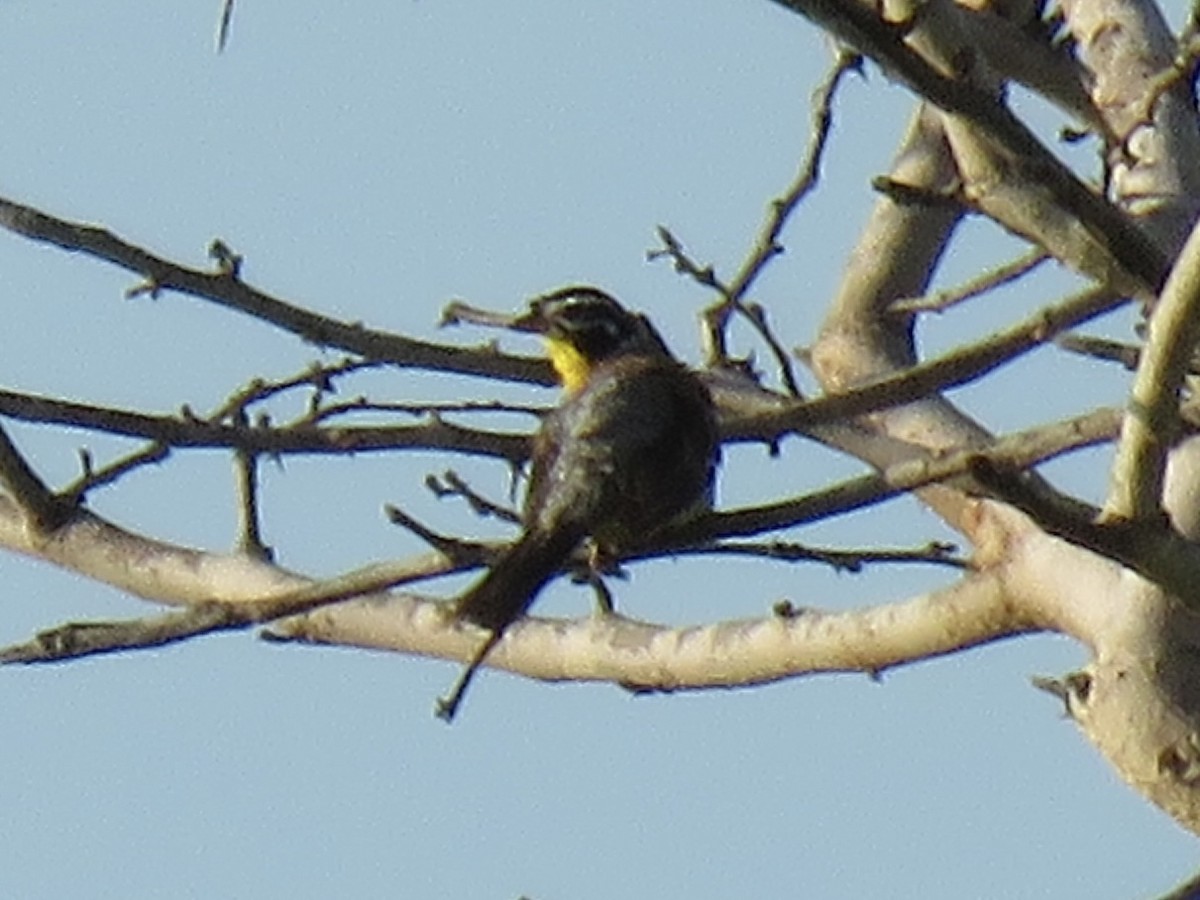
632,447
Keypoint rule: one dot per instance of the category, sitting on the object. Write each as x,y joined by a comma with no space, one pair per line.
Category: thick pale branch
43,510
78,639
1152,424
1148,109
656,658
1150,547
1138,266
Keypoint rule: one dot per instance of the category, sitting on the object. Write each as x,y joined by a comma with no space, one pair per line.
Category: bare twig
953,369
321,378
232,293
451,485
78,639
940,301
716,316
362,405
223,24
842,560
1100,348
245,467
767,246
705,276
189,430
467,553
91,479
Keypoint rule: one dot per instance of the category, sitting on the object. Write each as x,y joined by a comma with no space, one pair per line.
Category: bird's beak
532,321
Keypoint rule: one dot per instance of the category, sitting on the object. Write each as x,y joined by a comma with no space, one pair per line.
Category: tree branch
226,289
975,287
953,369
1152,423
1134,265
44,511
648,657
187,430
79,639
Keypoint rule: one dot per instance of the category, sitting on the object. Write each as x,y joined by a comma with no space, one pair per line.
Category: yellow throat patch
571,366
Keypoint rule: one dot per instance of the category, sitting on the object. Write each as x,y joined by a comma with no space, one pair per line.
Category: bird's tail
508,589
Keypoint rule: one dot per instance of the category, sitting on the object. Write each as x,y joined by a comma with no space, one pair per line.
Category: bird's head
583,326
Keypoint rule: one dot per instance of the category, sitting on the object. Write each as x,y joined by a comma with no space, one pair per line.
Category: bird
632,447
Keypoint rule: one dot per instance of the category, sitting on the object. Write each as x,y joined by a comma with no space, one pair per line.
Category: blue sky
373,162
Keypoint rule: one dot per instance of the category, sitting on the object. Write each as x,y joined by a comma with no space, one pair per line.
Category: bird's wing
638,444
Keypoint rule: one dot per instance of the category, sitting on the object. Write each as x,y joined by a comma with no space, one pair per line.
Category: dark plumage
632,447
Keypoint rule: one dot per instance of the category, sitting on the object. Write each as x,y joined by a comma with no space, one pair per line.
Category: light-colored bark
1138,697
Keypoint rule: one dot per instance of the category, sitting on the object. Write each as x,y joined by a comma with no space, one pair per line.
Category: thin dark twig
672,248
362,405
451,485
958,367
464,552
320,377
1100,348
91,479
234,294
767,247
446,707
843,560
189,430
716,316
